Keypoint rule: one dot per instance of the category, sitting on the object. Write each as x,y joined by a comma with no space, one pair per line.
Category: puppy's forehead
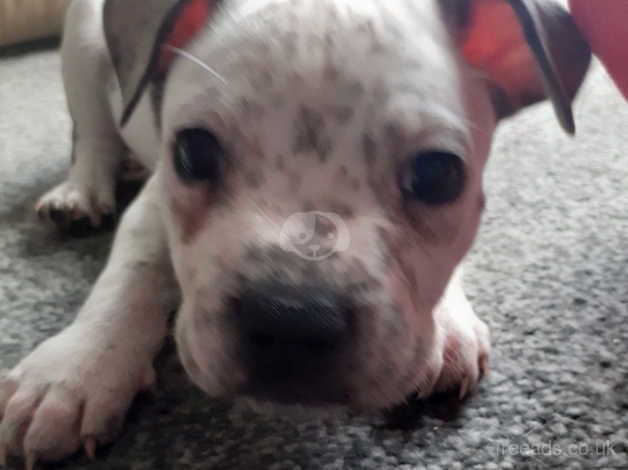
334,54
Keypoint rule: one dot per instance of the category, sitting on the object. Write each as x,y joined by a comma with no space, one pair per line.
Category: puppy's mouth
293,373
264,370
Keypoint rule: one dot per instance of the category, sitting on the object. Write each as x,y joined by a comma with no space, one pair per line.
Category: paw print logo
314,236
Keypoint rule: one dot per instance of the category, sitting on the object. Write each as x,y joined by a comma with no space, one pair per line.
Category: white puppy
316,180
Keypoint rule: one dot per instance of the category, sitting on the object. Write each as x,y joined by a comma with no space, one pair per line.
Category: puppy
316,179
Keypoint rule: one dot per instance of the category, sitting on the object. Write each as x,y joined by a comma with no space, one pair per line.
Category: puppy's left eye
432,177
198,156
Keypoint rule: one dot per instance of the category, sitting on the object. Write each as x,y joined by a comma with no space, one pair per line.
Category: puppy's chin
295,412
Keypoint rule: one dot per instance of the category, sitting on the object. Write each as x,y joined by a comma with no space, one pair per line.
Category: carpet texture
549,272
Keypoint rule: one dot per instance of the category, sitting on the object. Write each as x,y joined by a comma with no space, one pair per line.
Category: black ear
137,31
562,54
530,50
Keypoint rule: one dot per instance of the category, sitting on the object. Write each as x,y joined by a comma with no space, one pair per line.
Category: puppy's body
318,106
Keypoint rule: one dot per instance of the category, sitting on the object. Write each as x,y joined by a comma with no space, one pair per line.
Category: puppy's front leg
462,345
76,387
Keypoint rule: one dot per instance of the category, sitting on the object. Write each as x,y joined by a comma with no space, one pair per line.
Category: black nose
288,331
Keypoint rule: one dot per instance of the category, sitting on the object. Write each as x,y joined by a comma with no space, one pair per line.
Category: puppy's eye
198,156
432,177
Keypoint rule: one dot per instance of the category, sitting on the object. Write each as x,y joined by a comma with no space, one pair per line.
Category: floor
549,272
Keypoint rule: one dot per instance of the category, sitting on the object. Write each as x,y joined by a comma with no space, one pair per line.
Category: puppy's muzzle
291,340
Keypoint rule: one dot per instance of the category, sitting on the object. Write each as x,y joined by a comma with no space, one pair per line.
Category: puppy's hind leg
88,192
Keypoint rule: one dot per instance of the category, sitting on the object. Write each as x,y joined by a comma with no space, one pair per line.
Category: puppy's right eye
433,177
198,156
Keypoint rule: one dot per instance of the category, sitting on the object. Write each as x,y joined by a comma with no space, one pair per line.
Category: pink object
604,23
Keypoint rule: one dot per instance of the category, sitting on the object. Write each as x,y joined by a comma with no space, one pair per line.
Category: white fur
418,89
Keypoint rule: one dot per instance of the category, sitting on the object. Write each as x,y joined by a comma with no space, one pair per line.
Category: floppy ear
529,50
138,34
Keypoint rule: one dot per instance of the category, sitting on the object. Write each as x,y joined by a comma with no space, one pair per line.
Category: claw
95,219
464,388
484,366
90,447
75,212
106,209
40,212
149,383
31,461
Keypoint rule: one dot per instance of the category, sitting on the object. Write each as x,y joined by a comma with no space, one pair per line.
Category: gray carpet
549,273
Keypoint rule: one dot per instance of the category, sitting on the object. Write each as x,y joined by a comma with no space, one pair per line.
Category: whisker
265,216
197,61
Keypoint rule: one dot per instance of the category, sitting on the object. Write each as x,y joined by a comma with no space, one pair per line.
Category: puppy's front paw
463,345
72,201
72,391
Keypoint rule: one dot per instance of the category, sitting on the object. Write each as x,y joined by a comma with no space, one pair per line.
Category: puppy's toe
69,392
463,342
103,420
8,387
71,201
54,429
17,417
465,357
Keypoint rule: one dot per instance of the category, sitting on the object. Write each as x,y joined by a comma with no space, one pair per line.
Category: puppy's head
322,173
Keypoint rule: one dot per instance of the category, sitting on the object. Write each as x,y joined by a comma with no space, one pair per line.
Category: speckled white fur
398,71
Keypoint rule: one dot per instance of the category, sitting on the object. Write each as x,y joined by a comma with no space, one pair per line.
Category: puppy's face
322,182
322,174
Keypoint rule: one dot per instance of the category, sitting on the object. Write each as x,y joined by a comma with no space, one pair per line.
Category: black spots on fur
254,179
368,31
280,162
343,209
386,242
251,110
339,208
369,149
353,91
341,114
311,135
346,179
367,28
